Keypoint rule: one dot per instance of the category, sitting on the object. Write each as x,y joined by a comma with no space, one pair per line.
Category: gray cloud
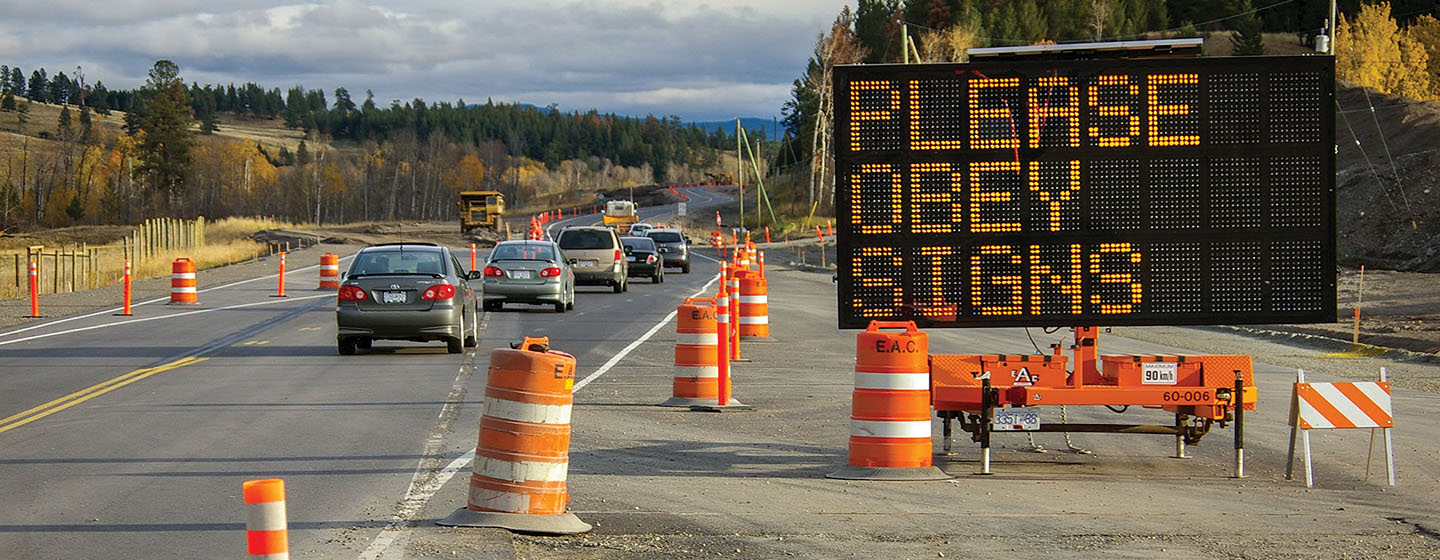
694,60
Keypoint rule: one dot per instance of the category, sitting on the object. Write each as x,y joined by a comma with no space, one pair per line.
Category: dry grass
206,256
240,228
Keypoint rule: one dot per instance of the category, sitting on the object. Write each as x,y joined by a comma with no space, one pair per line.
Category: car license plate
590,263
631,259
392,297
520,274
1015,420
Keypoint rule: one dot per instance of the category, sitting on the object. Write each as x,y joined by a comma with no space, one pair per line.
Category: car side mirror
572,261
474,275
628,250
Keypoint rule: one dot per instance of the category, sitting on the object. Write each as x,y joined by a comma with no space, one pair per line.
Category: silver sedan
534,272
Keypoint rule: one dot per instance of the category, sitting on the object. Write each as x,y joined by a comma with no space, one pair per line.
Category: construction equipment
481,209
620,214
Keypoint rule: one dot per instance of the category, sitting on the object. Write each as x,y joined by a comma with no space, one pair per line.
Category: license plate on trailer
1015,420
392,297
520,274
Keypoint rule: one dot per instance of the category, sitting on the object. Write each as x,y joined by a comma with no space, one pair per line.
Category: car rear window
640,243
664,236
523,252
586,239
399,262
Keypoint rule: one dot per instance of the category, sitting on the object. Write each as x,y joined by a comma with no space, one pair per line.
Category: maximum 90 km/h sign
1087,192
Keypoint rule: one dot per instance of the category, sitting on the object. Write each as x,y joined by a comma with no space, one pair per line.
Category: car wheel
571,303
685,268
470,339
559,307
346,346
364,343
619,287
454,345
625,285
658,277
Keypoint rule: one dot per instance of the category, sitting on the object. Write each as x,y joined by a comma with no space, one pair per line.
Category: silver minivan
599,256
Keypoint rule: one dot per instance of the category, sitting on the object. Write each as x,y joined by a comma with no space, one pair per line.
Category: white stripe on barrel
697,339
901,429
517,411
893,381
520,471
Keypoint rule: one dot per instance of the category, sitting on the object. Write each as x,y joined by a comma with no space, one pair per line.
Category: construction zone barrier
754,306
1339,406
522,456
330,271
725,305
182,282
890,408
697,366
125,299
280,279
266,535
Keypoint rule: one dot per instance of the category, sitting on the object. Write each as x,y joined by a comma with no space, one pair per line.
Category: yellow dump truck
481,209
619,214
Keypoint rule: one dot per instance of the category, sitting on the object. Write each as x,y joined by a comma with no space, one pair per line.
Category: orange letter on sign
876,269
884,111
875,190
1008,172
1158,110
1042,111
998,134
925,196
1127,255
1015,282
1117,118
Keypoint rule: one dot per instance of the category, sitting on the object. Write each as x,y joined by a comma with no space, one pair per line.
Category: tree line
358,160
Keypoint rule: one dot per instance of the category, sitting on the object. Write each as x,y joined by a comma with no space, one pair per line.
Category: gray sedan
534,272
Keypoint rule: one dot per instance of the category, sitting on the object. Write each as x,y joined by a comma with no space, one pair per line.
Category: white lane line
171,316
633,345
421,490
148,302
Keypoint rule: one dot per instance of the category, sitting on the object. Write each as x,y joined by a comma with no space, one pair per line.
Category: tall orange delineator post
472,256
724,403
890,408
266,533
125,301
697,363
280,280
34,291
523,453
182,282
732,284
329,272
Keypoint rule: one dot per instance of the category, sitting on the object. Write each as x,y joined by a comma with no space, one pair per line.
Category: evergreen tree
87,129
294,107
876,28
38,85
59,89
1247,38
7,101
63,127
165,149
342,100
17,80
4,78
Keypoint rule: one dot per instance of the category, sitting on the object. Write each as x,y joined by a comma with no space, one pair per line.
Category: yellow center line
16,420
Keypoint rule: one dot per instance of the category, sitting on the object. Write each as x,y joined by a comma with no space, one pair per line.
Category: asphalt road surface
130,438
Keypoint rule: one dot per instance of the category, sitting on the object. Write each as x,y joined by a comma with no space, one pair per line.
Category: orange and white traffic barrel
754,306
266,534
330,272
697,366
182,281
890,408
523,454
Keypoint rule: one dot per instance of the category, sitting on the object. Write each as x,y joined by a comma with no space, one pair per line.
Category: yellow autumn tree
1373,52
1426,32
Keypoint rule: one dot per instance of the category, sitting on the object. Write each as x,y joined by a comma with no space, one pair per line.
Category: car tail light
439,291
352,293
619,256
650,259
493,271
550,272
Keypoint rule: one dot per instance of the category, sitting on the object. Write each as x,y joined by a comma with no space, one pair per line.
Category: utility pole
740,172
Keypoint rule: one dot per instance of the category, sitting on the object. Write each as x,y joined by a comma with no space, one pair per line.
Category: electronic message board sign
1087,192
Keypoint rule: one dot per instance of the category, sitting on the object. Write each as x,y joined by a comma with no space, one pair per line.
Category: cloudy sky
700,59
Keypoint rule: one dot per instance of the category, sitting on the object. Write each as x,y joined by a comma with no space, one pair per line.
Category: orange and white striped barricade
1336,406
329,272
890,408
754,306
724,301
182,282
697,366
732,285
523,453
266,532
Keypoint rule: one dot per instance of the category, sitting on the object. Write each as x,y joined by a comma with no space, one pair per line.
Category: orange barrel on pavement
697,367
182,281
890,408
329,272
523,453
266,534
754,306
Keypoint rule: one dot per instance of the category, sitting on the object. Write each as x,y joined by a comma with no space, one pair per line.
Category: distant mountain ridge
753,124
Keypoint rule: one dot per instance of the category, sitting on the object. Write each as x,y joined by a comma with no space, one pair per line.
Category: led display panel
1174,191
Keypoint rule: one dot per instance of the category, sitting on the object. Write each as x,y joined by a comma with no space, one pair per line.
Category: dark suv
406,291
674,247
